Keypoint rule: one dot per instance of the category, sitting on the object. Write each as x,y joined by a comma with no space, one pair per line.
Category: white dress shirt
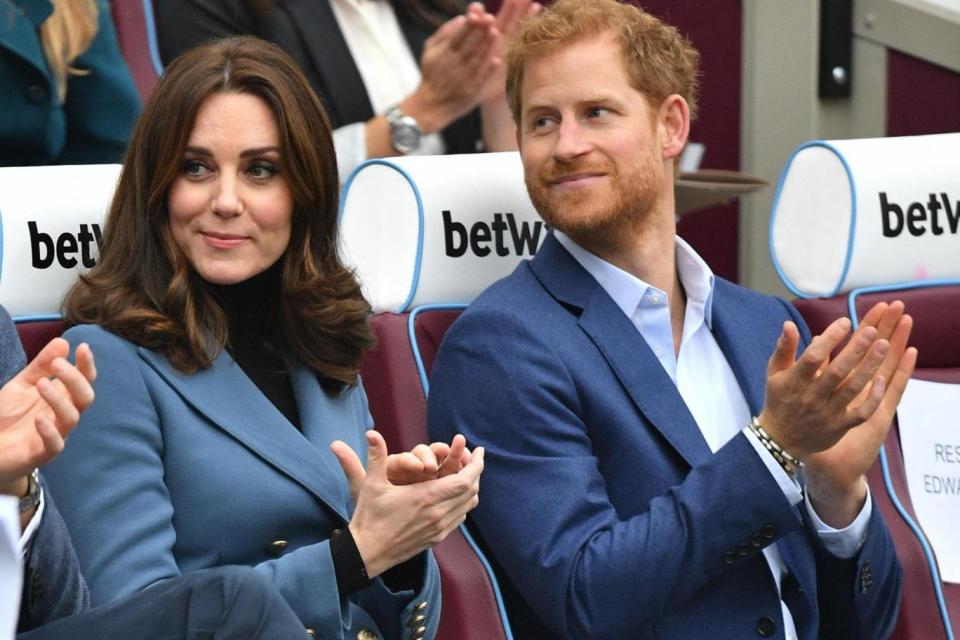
11,567
706,382
388,69
13,551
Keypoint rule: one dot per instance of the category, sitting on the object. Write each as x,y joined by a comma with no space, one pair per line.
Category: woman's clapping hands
408,502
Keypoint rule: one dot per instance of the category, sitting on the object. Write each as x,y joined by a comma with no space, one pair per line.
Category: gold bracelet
789,463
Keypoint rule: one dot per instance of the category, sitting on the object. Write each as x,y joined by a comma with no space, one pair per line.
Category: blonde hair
659,61
65,35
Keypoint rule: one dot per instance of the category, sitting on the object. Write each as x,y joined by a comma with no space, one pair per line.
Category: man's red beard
615,204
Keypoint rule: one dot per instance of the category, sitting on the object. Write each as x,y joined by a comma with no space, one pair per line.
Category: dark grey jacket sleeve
53,586
12,358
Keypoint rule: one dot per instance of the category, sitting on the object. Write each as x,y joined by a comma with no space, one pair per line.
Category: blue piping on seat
39,317
152,46
425,385
884,463
418,259
851,231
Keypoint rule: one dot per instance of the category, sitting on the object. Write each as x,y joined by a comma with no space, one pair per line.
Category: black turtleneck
255,336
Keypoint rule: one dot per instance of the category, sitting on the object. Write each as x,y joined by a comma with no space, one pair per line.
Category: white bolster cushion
51,220
436,229
855,213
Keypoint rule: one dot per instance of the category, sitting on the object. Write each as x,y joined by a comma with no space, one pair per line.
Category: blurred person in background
396,77
66,94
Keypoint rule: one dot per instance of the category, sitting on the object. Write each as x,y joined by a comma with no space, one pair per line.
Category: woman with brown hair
396,76
65,92
227,335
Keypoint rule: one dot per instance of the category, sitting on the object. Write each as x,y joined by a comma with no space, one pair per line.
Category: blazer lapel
736,331
18,31
229,399
319,427
332,59
627,353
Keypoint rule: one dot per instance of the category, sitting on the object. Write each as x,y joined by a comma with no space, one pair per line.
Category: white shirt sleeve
788,484
843,543
11,567
350,144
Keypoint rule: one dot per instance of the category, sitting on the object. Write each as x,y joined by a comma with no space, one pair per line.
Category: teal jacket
92,125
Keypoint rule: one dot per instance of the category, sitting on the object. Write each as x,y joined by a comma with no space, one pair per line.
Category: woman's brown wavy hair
144,289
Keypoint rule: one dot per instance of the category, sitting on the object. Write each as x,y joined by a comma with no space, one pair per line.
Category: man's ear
516,132
674,120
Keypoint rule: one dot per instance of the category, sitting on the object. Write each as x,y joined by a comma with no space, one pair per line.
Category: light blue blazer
169,473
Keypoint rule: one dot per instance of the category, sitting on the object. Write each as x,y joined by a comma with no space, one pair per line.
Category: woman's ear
674,122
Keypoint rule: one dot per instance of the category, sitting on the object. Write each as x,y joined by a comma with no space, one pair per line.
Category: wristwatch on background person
405,131
30,501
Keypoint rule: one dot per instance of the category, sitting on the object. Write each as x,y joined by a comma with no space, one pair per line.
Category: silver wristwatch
405,132
32,499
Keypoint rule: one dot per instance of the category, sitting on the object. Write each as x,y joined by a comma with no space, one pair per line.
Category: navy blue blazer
53,586
606,512
168,473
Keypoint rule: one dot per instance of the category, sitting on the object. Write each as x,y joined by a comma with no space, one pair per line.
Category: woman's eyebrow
259,151
256,151
200,151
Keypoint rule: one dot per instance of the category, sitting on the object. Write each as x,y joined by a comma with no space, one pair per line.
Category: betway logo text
502,236
44,250
917,218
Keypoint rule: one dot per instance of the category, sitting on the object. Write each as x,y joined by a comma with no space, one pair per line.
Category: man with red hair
669,455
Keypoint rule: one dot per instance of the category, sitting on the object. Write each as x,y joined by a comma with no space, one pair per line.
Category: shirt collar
627,290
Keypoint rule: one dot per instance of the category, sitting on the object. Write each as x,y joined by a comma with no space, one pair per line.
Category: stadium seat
398,403
51,219
406,226
36,333
847,198
934,310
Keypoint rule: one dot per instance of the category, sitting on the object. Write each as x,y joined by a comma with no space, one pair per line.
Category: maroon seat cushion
399,409
34,334
393,387
934,311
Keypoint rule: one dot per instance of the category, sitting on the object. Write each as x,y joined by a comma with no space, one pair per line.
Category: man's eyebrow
592,100
534,107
